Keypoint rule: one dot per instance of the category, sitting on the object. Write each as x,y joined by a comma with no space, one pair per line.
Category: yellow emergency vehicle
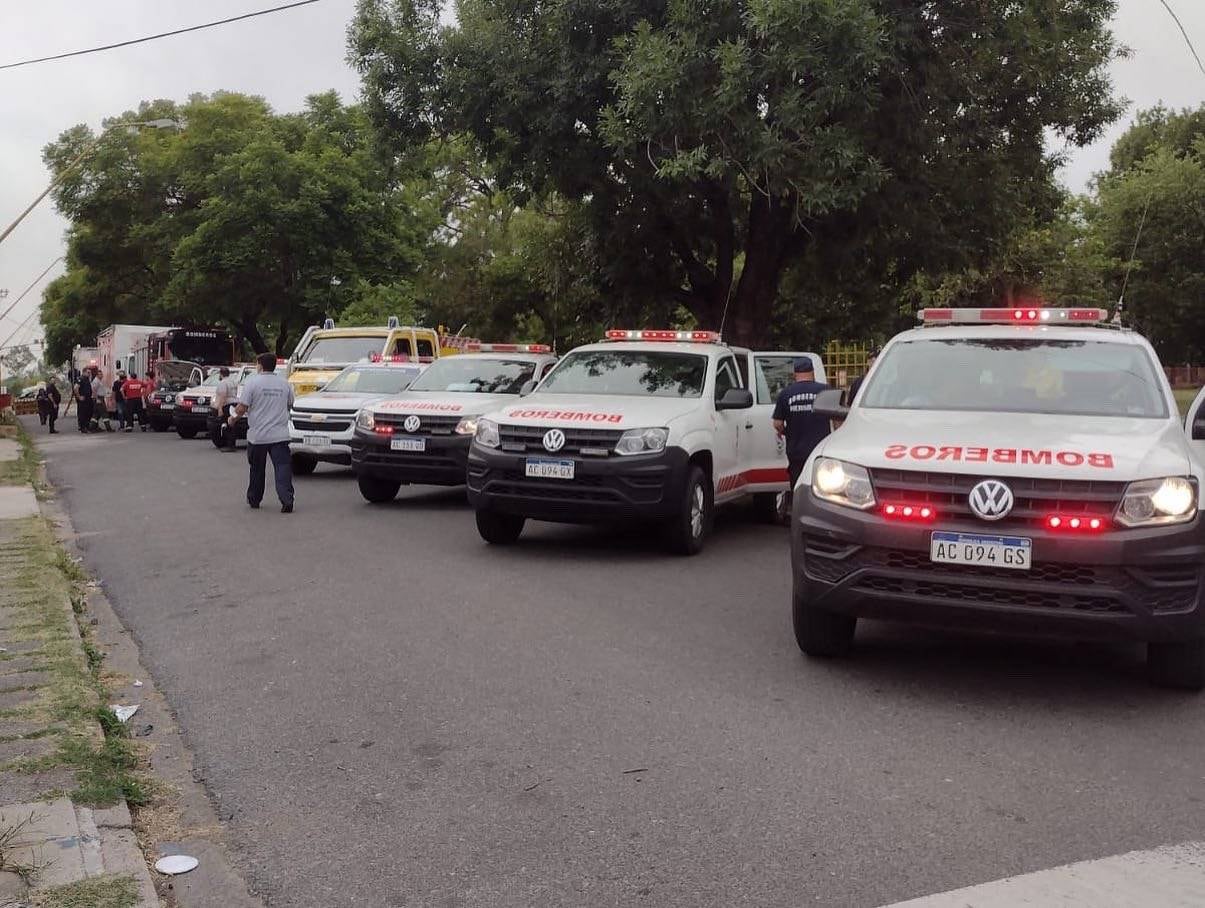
323,352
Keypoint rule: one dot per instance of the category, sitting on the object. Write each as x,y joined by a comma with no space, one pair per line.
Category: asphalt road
397,714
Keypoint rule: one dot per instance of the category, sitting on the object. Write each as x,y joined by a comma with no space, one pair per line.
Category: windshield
341,350
475,375
629,372
1009,375
209,348
365,380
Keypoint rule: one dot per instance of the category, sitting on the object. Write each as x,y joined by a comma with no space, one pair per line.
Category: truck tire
500,529
159,427
687,531
818,632
215,435
378,491
304,465
1179,665
186,433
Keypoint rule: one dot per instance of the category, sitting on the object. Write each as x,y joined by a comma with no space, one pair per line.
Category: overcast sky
289,55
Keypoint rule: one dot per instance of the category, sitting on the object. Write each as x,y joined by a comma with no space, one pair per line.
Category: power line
178,31
30,287
1184,32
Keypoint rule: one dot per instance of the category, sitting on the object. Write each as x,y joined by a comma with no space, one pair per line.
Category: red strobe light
910,512
1066,524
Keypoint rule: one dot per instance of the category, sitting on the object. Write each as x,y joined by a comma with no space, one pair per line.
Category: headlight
467,426
1153,502
487,433
642,441
842,483
365,419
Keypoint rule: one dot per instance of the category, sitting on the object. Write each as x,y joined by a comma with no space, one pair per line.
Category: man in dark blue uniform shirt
795,419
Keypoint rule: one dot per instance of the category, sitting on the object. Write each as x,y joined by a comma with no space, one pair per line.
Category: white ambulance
422,435
1020,470
649,425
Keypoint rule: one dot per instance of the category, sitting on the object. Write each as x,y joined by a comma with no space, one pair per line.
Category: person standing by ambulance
133,390
266,400
795,419
225,396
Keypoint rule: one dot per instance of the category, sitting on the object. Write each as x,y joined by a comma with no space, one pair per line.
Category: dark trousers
51,415
794,468
83,413
282,471
132,408
119,407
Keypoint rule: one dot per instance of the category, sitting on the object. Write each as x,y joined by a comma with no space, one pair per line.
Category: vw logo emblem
991,500
554,440
412,423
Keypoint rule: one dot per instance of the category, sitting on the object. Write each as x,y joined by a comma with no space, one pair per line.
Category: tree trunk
251,334
282,338
772,240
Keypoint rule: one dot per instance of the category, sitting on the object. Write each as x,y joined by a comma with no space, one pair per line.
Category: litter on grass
123,713
176,863
138,684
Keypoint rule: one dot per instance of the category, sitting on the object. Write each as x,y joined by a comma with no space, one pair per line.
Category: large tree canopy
714,144
1151,206
265,222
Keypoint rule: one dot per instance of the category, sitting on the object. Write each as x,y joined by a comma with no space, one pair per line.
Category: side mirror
1198,429
828,403
735,399
527,388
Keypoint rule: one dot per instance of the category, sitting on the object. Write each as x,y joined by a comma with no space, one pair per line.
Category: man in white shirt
266,400
224,396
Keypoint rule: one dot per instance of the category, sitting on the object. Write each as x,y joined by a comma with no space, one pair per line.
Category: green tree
1155,210
262,221
713,146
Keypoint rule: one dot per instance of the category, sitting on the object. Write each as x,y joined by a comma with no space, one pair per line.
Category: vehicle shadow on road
955,665
735,529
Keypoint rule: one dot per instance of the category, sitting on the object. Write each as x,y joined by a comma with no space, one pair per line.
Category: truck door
1194,426
729,424
766,453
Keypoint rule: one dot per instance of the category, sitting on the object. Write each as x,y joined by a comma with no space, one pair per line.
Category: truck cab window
726,377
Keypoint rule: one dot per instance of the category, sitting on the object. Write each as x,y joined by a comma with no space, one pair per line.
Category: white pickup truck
649,425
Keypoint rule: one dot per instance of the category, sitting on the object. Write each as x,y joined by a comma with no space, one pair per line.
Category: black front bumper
157,416
443,462
186,419
643,487
1129,584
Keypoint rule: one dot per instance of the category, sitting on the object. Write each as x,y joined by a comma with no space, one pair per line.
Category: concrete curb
216,883
65,844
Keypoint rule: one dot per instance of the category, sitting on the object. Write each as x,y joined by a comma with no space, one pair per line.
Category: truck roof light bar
478,347
689,337
1018,315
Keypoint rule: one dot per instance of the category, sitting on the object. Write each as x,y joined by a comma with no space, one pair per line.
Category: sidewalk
66,836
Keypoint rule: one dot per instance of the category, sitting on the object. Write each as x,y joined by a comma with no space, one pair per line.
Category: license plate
200,409
408,444
1010,552
315,441
167,406
540,468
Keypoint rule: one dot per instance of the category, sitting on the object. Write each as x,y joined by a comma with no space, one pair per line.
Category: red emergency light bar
912,512
690,337
478,347
1075,524
395,358
384,430
1025,315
